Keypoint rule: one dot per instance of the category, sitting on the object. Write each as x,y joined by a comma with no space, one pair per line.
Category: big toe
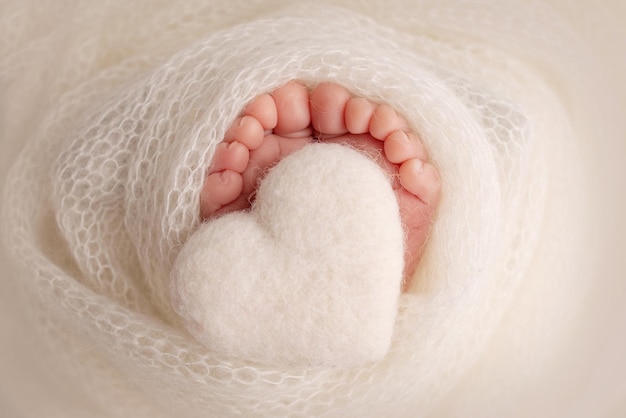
328,104
293,114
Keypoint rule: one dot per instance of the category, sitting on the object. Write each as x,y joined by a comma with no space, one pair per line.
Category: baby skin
277,124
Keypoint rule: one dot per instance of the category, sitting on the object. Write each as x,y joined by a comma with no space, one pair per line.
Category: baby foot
272,127
277,124
380,132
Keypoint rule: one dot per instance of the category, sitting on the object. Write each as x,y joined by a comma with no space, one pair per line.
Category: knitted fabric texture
116,110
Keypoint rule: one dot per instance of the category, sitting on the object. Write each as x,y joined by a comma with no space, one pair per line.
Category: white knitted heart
311,275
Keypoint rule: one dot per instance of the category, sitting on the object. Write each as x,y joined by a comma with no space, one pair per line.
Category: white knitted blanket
110,116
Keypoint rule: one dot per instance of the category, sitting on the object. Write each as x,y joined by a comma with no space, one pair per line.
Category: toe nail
402,135
417,165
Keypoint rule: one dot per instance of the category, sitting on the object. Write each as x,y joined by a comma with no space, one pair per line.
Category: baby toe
219,189
292,106
263,108
400,146
232,156
248,130
384,121
420,179
328,103
358,114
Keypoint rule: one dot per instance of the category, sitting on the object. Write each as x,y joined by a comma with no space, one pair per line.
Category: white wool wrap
119,302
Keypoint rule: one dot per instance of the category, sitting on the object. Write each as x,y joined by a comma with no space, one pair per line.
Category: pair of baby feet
277,124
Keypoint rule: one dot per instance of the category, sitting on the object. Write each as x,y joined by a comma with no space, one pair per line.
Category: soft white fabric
116,109
310,277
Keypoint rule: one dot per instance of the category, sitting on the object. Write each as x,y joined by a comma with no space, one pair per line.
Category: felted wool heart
310,276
